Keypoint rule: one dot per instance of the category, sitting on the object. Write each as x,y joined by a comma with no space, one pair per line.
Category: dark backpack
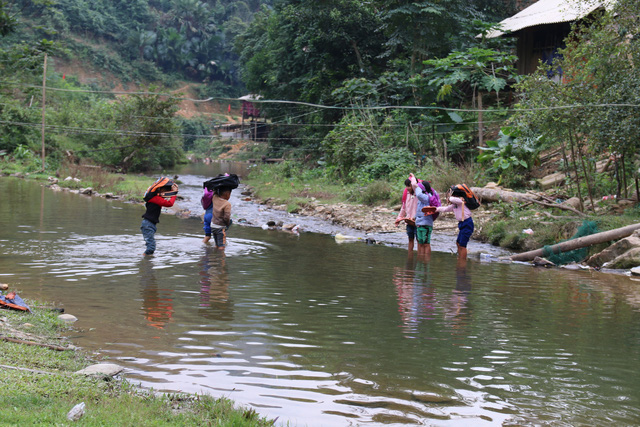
463,191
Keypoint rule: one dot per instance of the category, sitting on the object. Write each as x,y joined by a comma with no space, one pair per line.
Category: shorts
219,236
466,230
424,234
411,231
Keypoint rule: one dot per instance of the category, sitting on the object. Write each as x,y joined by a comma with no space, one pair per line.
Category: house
256,130
542,28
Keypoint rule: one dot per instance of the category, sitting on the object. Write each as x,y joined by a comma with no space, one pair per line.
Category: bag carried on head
230,181
162,185
463,191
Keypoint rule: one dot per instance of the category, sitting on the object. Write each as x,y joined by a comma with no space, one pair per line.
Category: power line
122,132
336,107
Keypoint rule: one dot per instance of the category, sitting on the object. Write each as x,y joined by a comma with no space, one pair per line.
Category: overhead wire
320,106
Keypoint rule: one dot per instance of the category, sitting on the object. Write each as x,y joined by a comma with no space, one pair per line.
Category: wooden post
480,121
44,91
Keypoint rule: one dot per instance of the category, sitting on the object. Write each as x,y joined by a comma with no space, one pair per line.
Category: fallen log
495,195
581,242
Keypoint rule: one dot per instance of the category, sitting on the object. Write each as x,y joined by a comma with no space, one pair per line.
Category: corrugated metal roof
548,12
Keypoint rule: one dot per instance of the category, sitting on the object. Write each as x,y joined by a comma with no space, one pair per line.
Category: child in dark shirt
151,217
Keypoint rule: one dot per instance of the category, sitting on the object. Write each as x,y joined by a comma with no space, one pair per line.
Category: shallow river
320,334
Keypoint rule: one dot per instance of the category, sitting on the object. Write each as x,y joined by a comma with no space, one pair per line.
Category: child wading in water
155,198
424,222
217,216
408,212
465,222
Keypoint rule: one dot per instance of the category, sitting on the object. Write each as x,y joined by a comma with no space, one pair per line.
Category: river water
322,334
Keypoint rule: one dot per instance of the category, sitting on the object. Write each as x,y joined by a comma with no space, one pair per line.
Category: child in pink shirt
408,212
465,222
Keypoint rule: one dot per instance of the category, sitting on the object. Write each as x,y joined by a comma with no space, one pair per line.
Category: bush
394,162
443,175
373,193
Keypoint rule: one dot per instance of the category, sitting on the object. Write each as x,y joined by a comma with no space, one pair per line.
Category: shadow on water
317,333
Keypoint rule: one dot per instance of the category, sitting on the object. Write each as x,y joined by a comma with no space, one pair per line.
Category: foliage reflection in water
325,334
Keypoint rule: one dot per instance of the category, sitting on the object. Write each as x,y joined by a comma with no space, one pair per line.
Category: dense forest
360,92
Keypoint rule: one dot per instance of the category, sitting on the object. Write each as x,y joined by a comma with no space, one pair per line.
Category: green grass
286,184
45,397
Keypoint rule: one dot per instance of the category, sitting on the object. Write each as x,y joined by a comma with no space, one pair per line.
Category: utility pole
44,83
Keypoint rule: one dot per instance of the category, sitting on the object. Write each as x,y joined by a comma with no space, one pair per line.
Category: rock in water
635,271
68,318
539,261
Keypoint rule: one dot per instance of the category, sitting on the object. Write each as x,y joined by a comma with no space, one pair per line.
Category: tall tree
303,50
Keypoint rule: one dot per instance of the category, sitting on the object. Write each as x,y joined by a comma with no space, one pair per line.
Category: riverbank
42,383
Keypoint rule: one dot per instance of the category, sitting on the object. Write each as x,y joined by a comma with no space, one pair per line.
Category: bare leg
462,252
206,239
410,245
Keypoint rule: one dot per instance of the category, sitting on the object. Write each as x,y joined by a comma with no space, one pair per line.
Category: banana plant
510,153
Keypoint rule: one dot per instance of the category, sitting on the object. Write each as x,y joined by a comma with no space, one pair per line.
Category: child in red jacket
154,205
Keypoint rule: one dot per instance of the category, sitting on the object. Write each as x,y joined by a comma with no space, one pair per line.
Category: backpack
470,199
163,184
435,201
206,202
226,180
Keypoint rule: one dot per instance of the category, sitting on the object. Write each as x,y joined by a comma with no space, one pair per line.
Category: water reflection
214,285
420,300
458,309
157,304
416,293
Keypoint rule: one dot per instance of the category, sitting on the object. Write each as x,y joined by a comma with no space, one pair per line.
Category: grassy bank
39,385
127,186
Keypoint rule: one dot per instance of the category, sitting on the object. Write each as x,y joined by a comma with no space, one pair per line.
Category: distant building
541,29
256,130
249,109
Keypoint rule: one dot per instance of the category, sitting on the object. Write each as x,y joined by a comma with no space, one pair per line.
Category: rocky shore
369,219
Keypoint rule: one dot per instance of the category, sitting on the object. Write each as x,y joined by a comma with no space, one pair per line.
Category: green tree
304,50
480,68
593,111
144,136
8,20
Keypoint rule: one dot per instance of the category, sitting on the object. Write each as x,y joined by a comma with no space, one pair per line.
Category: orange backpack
470,199
162,184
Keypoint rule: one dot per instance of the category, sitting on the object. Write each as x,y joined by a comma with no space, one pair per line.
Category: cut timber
581,242
552,180
494,195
